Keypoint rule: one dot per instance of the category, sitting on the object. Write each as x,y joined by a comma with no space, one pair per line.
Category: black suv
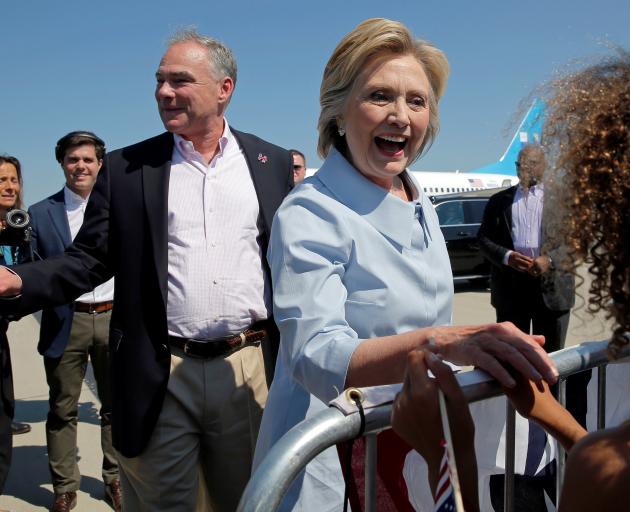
460,217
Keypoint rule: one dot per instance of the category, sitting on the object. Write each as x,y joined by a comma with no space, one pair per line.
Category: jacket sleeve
488,233
84,265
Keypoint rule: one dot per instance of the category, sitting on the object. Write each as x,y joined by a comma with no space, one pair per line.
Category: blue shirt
349,261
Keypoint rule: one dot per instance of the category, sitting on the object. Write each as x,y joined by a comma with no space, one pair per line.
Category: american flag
444,498
475,182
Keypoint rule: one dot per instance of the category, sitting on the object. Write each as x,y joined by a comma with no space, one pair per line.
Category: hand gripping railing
341,422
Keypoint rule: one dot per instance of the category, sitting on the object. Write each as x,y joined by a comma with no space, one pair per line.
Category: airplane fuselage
438,183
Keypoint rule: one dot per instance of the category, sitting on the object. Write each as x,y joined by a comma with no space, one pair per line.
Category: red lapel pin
262,158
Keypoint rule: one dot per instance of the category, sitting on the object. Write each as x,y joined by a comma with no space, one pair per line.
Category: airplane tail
529,132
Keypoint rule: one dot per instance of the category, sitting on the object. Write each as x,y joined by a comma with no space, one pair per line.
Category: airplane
502,173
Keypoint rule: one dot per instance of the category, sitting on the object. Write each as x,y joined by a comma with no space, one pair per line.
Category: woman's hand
416,419
416,411
495,348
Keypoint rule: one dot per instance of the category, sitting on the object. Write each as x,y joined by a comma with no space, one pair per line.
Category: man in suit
74,332
182,220
526,288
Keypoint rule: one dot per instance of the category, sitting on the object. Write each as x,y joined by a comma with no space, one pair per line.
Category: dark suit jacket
125,234
495,239
50,237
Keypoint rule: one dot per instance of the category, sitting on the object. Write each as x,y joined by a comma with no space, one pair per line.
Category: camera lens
17,219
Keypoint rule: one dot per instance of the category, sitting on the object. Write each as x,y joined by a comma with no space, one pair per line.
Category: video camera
17,229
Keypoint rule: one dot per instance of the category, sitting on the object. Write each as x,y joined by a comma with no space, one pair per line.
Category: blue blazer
125,233
51,235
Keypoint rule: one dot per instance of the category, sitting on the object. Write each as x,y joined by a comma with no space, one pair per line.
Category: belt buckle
92,308
187,349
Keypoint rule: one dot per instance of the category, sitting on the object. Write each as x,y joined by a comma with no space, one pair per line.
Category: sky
73,65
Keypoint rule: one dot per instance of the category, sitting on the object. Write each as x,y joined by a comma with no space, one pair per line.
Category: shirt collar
384,211
536,190
72,199
187,149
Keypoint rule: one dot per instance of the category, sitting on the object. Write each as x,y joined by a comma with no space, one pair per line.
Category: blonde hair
373,37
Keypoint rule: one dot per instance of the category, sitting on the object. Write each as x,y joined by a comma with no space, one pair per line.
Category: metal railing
341,422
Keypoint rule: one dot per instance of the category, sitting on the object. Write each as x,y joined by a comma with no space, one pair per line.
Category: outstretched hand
532,400
496,348
10,283
535,401
416,419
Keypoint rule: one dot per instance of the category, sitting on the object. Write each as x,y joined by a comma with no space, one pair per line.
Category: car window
474,210
450,213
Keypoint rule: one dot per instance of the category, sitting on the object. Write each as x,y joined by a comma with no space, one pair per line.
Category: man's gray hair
220,57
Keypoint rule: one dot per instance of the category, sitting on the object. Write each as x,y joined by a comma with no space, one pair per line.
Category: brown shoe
113,495
64,502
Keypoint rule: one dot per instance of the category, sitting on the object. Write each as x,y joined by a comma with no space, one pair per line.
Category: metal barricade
341,422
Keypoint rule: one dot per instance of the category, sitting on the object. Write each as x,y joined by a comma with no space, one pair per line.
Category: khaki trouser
89,337
206,431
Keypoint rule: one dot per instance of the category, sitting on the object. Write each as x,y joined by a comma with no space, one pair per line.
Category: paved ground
28,487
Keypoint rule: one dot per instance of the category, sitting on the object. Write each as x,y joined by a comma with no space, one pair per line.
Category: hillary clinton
359,266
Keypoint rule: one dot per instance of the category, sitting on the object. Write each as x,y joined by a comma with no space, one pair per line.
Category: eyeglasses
526,164
298,167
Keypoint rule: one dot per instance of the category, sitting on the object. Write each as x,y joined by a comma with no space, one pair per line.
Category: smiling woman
386,119
359,267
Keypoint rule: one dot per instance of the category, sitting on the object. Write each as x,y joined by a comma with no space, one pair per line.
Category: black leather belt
225,345
94,307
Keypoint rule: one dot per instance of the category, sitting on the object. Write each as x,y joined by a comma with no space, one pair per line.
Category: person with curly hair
588,136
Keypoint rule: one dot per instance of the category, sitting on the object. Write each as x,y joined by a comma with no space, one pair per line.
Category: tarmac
28,487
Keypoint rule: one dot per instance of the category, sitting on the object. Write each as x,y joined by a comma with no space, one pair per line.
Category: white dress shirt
216,280
75,210
527,221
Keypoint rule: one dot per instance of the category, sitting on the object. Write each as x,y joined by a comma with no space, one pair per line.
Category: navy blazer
50,237
125,233
495,239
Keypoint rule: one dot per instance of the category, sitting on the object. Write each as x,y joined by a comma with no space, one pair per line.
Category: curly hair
587,133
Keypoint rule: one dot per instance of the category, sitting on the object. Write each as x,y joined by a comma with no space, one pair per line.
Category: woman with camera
10,199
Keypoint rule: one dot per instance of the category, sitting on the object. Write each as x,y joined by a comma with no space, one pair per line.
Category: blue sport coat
51,236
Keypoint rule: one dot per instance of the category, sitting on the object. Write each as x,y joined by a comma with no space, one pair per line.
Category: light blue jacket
349,262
